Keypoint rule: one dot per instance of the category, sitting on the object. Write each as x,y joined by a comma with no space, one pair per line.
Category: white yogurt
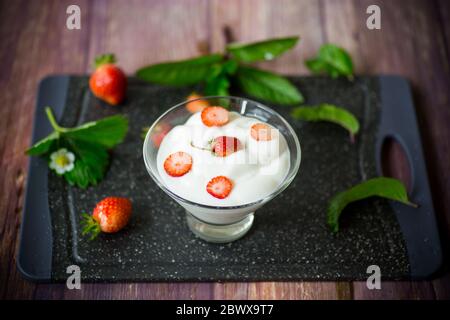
256,170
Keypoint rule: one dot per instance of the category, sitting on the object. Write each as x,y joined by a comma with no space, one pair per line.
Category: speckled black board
289,239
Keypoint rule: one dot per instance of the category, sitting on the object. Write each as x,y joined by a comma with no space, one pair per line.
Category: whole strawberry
108,82
110,215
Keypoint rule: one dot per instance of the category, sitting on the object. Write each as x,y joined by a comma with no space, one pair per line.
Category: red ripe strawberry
214,116
178,164
219,187
108,82
223,146
261,132
198,105
109,216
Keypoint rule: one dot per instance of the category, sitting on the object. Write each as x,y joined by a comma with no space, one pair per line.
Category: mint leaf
44,145
106,132
263,50
333,60
328,112
180,73
316,65
229,67
217,82
388,188
217,86
267,86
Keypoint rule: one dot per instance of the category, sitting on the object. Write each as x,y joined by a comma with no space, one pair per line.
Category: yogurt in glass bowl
222,163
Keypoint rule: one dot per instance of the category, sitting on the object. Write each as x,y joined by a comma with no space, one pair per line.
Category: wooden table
414,42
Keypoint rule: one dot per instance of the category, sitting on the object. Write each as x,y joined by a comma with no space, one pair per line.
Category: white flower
62,161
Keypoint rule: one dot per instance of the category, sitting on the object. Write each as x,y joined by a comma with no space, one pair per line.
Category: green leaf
44,145
315,65
89,143
267,86
217,86
91,162
328,112
230,67
388,188
263,50
333,60
106,132
180,73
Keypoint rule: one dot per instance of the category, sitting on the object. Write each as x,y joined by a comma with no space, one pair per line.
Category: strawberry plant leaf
333,60
267,86
180,73
388,188
262,50
88,144
90,164
106,132
328,112
44,145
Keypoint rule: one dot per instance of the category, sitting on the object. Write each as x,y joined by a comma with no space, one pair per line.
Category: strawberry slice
197,105
219,187
223,146
178,164
214,116
261,132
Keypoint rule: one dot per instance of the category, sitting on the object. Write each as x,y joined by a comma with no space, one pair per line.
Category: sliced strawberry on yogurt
223,146
214,116
219,187
261,132
178,164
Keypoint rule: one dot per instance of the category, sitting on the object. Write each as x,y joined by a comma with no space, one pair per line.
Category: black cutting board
289,239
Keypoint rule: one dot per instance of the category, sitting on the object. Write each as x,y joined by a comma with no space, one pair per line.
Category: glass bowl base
219,233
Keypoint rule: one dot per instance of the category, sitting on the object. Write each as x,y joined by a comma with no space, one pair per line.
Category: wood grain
413,42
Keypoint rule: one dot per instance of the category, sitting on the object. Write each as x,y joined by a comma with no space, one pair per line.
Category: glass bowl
220,224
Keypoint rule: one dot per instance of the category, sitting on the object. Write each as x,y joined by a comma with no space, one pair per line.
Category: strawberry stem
90,226
201,148
52,120
104,59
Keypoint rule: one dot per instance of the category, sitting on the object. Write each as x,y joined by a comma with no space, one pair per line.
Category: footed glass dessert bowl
221,158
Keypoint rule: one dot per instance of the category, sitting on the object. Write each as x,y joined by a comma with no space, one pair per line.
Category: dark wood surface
414,42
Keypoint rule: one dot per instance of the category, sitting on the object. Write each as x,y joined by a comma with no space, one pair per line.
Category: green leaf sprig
89,143
218,71
331,113
332,60
388,188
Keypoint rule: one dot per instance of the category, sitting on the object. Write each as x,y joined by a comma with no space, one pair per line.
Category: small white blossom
62,161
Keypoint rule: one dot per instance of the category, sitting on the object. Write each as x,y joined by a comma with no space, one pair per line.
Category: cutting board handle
398,121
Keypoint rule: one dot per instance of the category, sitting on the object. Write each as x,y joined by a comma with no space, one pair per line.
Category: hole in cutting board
395,163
